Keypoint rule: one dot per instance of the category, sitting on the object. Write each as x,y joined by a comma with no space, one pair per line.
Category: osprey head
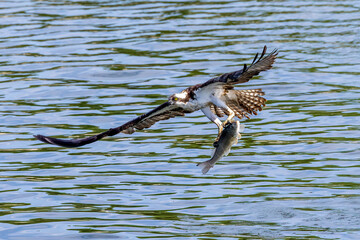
179,98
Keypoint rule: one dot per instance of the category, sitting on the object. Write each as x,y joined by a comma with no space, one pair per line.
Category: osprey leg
207,111
230,118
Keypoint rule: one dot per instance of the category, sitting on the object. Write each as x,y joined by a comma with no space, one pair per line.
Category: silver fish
229,136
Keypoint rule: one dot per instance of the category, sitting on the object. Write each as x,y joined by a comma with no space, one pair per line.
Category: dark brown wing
247,72
162,112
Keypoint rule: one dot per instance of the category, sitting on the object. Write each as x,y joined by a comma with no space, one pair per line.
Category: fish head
233,128
234,125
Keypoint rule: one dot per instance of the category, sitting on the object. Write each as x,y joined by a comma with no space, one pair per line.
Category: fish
228,137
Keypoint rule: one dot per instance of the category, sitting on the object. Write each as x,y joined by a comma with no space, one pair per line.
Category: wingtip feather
263,53
62,143
43,138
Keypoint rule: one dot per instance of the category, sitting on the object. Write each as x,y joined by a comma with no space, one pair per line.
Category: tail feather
245,102
205,166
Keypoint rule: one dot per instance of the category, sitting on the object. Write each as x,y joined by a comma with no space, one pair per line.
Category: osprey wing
162,112
258,65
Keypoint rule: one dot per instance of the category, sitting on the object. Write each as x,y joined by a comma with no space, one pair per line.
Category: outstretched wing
162,112
247,72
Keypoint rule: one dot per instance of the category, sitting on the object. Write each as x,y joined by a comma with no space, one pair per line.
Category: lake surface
76,68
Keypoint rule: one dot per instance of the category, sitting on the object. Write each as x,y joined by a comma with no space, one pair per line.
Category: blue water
76,68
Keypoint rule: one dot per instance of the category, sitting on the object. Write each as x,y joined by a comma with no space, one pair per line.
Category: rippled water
76,68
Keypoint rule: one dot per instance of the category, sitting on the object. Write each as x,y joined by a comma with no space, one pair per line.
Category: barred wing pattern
167,113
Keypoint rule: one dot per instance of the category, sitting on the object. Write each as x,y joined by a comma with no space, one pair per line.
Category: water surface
76,68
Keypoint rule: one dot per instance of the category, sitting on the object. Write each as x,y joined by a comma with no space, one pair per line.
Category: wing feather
247,72
162,112
163,115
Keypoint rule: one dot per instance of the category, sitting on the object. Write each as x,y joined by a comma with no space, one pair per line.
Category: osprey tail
242,102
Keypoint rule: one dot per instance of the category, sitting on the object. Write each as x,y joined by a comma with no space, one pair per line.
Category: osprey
215,98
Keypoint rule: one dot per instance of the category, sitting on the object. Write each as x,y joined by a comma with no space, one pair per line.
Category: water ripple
75,68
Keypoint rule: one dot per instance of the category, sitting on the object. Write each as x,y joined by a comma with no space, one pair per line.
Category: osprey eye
175,99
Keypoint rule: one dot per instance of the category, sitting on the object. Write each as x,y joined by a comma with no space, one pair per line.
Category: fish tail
205,166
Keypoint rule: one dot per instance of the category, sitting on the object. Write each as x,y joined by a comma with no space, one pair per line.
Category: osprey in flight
215,98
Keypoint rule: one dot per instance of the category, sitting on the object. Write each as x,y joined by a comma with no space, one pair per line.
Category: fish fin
242,127
227,152
234,142
205,166
213,152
